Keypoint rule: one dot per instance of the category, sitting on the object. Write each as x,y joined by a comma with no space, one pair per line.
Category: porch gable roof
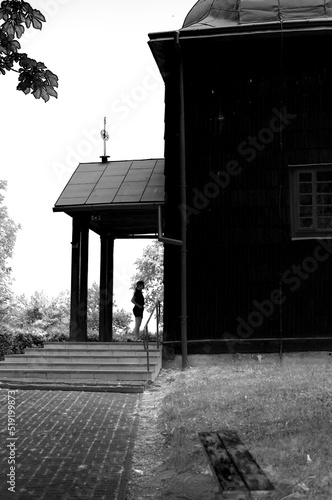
113,183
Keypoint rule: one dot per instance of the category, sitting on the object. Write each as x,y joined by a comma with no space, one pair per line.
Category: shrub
6,341
93,336
56,337
16,342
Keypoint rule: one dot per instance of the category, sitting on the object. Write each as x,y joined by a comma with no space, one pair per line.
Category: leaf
28,22
37,93
38,15
27,7
45,95
36,24
19,29
8,28
15,45
53,79
51,91
41,65
4,15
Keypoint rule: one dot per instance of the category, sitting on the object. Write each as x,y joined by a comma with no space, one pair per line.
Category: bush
93,336
16,342
23,340
56,337
64,337
6,341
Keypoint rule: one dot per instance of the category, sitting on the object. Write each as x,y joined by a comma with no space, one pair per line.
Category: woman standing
138,301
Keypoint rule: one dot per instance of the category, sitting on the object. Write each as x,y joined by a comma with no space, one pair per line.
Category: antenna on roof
105,136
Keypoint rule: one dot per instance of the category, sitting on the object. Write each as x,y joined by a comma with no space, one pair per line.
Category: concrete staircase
115,366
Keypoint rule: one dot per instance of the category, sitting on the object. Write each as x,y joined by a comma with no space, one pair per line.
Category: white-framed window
311,201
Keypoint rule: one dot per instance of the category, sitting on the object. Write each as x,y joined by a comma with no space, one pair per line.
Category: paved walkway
66,445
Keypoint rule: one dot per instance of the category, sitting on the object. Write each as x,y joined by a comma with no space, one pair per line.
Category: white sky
100,53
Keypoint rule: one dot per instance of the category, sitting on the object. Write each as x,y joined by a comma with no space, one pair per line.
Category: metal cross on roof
105,136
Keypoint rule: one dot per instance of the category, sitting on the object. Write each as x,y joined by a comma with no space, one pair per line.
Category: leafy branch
34,77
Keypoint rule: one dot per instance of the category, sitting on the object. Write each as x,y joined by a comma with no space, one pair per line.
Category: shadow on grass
282,412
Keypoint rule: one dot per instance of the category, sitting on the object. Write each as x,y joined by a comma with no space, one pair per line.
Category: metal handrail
146,332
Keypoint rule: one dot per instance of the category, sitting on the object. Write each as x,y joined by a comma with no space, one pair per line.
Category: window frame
298,233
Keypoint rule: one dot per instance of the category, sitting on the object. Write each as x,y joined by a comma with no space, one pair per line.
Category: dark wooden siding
172,226
239,244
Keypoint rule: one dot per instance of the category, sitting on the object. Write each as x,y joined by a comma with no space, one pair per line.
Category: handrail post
147,347
146,332
157,319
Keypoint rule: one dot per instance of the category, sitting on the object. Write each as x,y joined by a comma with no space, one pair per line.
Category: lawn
282,411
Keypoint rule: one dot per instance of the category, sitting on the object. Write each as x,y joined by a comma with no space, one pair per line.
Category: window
311,201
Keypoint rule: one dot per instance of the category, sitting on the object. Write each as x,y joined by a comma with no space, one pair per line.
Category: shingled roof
222,13
118,197
112,183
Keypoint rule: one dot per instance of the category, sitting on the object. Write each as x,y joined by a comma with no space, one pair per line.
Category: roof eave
69,209
162,44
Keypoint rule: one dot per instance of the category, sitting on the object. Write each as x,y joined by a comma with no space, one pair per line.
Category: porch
115,199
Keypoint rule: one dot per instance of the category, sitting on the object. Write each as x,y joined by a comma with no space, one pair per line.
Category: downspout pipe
183,196
162,238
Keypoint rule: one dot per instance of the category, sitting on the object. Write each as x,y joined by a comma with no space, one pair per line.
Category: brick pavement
69,445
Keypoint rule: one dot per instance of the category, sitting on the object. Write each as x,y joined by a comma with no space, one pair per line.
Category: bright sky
100,53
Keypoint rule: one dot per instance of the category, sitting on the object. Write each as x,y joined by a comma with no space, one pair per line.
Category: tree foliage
121,321
8,231
93,307
150,269
121,318
34,77
40,314
49,317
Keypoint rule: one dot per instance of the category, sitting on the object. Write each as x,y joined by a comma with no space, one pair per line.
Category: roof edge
249,28
92,208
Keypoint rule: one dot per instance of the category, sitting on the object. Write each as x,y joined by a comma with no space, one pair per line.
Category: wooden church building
255,82
245,185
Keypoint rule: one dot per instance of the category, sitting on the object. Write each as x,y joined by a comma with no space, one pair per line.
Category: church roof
226,13
227,19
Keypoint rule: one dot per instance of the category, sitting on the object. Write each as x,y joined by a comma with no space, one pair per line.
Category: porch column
106,288
79,281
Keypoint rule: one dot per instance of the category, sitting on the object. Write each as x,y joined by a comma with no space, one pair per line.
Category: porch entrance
115,199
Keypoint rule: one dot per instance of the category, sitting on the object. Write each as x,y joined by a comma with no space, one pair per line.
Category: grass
281,411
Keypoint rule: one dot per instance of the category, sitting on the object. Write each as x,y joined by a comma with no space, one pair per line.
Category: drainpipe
183,191
162,238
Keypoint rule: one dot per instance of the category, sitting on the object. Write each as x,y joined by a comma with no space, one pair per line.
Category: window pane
324,223
324,176
324,199
306,187
324,187
305,223
324,210
306,212
306,199
305,177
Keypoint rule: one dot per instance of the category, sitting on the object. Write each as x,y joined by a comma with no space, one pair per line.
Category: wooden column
79,281
106,288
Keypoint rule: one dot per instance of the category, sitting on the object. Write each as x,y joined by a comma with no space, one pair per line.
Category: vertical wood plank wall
239,243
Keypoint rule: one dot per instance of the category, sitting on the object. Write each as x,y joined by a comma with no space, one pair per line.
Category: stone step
22,364
65,373
112,364
91,352
86,385
100,345
79,358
